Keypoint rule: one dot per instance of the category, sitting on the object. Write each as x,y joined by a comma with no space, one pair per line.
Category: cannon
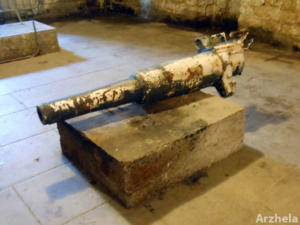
217,61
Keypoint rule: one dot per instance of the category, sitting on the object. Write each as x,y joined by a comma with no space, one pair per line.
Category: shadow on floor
257,118
66,187
276,53
171,198
39,63
185,191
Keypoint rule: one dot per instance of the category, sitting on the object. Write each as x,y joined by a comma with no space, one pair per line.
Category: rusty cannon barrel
218,60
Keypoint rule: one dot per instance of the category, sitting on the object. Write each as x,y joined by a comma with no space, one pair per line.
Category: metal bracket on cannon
231,53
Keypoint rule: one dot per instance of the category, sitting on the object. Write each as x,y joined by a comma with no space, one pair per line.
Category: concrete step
18,40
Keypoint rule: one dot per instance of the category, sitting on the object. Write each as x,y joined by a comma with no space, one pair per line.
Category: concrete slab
59,195
136,150
12,209
9,104
20,125
36,158
17,40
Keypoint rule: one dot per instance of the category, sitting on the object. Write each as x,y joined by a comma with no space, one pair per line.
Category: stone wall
275,21
59,8
180,10
49,8
272,21
52,8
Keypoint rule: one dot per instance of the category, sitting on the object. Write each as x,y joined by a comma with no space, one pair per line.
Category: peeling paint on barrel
212,68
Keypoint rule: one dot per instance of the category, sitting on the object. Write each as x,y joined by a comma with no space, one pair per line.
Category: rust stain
104,98
215,63
195,72
168,75
114,94
147,86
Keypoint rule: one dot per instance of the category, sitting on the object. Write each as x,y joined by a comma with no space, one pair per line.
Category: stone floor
39,186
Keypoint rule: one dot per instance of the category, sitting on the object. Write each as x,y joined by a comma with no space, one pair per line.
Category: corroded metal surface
215,65
106,97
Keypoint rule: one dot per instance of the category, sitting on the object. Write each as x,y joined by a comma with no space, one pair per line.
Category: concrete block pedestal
18,40
136,150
